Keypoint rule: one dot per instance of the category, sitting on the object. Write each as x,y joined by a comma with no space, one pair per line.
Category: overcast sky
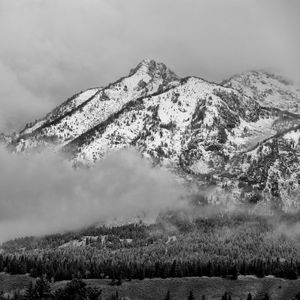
51,49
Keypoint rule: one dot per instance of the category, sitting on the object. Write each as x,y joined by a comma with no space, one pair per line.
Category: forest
223,245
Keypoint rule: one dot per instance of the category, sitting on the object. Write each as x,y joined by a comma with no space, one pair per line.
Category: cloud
42,193
55,48
18,104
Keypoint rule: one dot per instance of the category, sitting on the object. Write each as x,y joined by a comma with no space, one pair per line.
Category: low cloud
18,102
44,194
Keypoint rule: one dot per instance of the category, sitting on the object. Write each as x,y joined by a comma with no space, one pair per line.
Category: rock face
241,136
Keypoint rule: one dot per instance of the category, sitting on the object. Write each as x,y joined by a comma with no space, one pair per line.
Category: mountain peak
260,75
268,89
242,137
154,69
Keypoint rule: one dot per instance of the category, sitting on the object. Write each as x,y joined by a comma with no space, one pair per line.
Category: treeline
217,246
57,270
137,232
171,223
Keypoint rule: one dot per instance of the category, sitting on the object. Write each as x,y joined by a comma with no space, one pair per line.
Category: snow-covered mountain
241,136
268,89
5,139
86,109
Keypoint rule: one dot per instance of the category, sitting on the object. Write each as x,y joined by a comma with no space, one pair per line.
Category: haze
42,193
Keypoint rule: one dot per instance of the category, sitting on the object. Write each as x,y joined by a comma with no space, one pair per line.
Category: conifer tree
42,288
30,292
266,297
167,297
191,296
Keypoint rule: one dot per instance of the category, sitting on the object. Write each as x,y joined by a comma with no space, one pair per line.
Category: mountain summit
86,109
240,137
154,69
268,89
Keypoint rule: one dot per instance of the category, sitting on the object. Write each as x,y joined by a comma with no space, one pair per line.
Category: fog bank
43,194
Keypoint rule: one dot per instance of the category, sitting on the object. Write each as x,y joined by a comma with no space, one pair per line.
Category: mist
52,49
42,193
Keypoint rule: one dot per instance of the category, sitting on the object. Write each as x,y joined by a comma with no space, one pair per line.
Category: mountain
240,137
268,89
86,109
5,139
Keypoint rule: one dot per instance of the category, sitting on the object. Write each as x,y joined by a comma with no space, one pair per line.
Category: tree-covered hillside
220,245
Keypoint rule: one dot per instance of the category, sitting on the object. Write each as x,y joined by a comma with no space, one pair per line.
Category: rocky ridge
240,137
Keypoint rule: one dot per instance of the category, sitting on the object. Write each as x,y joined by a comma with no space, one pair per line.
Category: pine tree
167,297
42,288
191,296
114,296
266,297
226,296
119,281
173,269
30,292
235,273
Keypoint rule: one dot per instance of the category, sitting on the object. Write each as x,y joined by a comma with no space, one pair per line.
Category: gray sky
51,49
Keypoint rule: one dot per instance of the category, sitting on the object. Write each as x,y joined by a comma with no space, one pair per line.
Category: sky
51,49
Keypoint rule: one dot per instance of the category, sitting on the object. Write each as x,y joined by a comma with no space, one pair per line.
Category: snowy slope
242,136
195,125
62,110
85,110
5,139
269,90
271,171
